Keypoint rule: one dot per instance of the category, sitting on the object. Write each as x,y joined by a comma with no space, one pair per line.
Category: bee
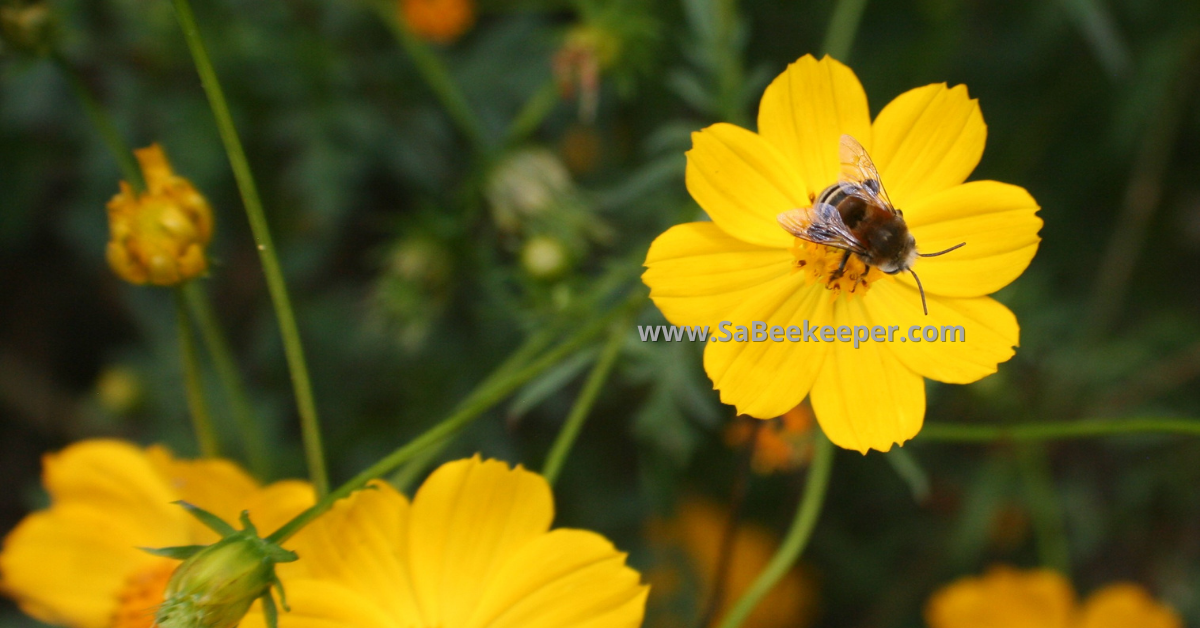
856,216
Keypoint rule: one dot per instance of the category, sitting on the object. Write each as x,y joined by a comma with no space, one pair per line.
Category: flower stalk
103,123
843,27
301,384
583,404
206,436
797,537
201,311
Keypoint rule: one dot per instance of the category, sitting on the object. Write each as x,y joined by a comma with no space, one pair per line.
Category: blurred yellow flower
473,549
780,445
743,267
1040,598
698,529
440,21
77,563
158,236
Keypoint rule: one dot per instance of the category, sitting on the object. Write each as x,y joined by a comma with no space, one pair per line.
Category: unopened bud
158,236
544,257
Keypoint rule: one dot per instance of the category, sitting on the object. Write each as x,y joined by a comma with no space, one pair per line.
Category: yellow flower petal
766,379
274,505
326,604
1125,605
215,485
468,519
866,398
359,544
743,182
998,222
926,140
990,331
564,579
698,274
1004,598
805,111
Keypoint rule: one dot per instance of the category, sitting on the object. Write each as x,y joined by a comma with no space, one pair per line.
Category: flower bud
544,257
439,21
527,184
158,236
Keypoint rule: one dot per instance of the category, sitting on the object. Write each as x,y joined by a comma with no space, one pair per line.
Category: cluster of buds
216,584
158,235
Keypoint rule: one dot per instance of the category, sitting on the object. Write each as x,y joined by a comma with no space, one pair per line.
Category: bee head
896,249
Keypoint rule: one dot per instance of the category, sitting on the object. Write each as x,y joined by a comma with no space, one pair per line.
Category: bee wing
821,224
858,168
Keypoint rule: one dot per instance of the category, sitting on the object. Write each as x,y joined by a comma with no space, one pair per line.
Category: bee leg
837,274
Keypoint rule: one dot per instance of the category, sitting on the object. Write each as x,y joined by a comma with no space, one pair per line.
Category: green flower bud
216,584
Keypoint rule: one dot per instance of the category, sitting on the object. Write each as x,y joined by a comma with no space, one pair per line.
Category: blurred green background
419,258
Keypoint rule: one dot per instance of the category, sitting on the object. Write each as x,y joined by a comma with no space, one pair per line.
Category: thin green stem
206,437
1063,430
843,27
103,123
483,400
533,113
305,405
797,537
1044,507
435,74
225,364
583,404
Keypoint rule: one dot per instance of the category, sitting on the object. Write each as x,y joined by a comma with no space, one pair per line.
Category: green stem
583,405
206,437
797,536
1044,506
483,400
1063,430
230,377
843,27
103,124
435,74
305,405
533,113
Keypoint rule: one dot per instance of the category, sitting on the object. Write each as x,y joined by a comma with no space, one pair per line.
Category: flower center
823,264
141,596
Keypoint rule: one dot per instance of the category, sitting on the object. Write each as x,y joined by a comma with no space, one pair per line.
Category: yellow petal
564,579
743,182
865,398
327,604
989,332
805,111
1004,598
1125,605
698,274
117,478
467,520
766,379
216,485
359,544
926,140
997,221
65,566
275,505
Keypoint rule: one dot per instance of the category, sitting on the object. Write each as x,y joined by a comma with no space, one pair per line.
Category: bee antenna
922,288
956,246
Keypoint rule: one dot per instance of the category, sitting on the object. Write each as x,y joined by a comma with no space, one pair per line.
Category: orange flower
77,563
158,236
440,21
1007,598
781,444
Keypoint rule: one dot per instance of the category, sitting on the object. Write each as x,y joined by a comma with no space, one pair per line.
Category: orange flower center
141,596
823,264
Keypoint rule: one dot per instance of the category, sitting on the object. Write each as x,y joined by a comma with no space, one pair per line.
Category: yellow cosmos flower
158,236
440,21
1007,598
77,563
743,267
473,549
699,529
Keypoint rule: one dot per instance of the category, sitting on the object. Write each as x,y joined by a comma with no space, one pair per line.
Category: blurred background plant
447,194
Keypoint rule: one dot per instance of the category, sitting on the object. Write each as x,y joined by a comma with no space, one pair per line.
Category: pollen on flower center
820,264
141,596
